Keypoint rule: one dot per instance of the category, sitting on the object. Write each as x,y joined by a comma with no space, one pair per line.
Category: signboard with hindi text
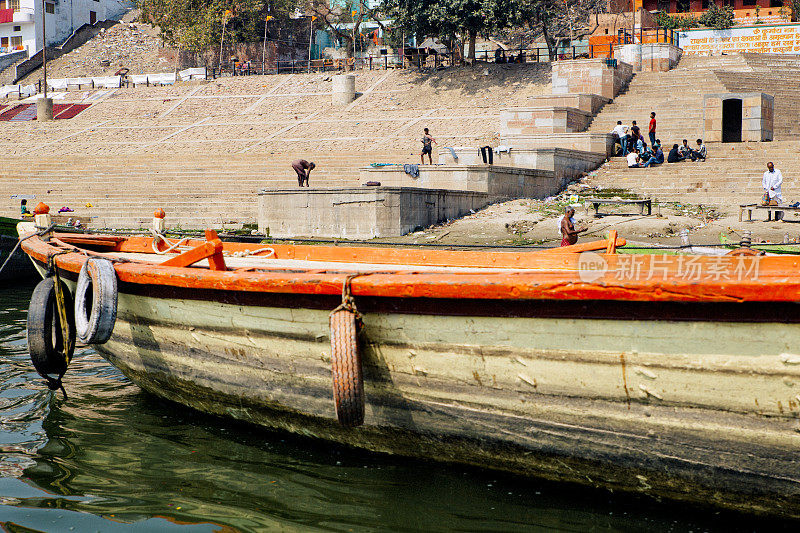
777,39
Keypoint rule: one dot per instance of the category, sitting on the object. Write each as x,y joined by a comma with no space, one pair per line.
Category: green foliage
197,24
673,22
715,17
448,18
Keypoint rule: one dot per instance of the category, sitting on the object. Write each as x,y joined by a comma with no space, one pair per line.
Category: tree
448,18
335,16
558,18
196,25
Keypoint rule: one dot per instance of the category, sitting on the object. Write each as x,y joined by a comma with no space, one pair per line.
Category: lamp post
310,35
264,51
44,105
222,40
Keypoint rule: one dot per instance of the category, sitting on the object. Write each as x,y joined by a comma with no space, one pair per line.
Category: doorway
92,17
732,120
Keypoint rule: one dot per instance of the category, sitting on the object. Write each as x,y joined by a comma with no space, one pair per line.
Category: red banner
6,15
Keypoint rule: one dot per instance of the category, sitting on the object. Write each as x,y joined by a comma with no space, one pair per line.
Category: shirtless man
426,147
569,235
303,169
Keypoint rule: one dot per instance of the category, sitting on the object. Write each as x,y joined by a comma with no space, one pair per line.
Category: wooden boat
18,267
675,376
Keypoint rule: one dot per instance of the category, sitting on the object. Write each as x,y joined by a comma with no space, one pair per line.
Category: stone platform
501,183
565,164
360,212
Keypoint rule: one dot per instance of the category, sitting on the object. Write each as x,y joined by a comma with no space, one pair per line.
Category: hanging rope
348,302
19,243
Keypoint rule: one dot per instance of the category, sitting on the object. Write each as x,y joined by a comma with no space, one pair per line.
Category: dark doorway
732,120
92,17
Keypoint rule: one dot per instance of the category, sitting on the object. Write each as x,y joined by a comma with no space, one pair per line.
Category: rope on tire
61,307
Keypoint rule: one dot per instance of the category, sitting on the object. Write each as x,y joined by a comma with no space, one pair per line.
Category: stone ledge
360,212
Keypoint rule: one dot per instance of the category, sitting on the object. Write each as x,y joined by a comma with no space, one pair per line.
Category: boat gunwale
561,282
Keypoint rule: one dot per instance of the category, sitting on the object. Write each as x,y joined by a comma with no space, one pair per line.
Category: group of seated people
633,146
500,57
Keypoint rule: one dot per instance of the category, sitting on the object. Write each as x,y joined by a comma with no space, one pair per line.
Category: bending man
303,169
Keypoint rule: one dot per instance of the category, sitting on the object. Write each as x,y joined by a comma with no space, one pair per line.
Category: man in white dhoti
771,182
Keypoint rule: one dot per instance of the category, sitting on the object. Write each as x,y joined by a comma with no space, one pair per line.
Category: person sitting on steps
700,153
633,158
675,155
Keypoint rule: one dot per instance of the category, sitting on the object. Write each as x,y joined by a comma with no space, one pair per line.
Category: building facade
745,11
21,21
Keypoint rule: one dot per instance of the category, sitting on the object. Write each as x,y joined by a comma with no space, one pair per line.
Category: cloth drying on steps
411,170
487,155
453,152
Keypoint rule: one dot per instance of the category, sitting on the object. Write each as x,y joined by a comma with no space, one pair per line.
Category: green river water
111,458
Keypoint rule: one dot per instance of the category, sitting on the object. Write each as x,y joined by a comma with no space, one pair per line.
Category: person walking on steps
303,169
652,129
427,148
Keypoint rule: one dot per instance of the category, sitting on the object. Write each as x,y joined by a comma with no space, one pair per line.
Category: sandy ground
535,222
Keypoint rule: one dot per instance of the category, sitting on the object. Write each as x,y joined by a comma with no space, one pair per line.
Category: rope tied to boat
61,306
348,302
19,243
170,247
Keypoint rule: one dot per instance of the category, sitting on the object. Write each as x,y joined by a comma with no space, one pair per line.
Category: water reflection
112,458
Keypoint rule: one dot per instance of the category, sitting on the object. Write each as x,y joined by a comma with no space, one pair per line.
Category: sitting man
633,158
657,157
700,153
686,151
675,155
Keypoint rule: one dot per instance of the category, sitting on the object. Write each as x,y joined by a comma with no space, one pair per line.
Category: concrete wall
360,212
566,165
649,57
591,76
532,120
588,103
601,143
500,182
6,60
757,116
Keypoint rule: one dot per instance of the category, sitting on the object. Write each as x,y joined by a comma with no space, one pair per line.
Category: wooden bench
610,201
768,208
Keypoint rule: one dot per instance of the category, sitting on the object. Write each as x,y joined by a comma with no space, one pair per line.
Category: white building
21,20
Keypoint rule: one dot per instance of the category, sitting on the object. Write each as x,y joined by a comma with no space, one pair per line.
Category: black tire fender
45,338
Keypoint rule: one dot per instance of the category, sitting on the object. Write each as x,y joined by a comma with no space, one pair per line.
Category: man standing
303,169
771,182
426,147
635,132
569,235
622,134
652,129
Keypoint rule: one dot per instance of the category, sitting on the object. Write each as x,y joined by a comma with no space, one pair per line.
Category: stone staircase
676,97
732,173
124,191
730,176
777,75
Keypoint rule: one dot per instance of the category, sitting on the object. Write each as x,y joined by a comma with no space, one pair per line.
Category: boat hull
20,266
604,402
678,387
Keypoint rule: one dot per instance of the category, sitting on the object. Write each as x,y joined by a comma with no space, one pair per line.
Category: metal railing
415,60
